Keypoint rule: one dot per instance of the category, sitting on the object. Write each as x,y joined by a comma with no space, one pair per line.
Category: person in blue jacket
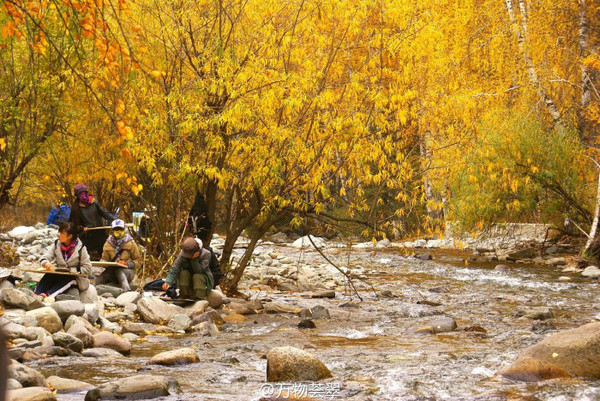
59,214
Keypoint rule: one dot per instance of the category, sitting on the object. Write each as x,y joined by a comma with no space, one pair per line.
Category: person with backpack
59,214
86,213
191,271
67,255
121,248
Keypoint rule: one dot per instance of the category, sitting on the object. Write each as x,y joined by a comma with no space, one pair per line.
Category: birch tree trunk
519,27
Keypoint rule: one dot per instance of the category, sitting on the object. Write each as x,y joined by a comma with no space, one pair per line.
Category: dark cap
79,188
189,247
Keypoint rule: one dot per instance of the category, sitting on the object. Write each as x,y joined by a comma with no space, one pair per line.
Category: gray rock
180,322
442,325
154,310
109,326
104,339
31,394
25,375
68,341
130,297
541,313
591,272
290,364
47,318
101,353
320,312
135,387
54,350
13,330
92,312
216,298
89,296
139,328
68,308
63,385
14,298
30,344
80,331
211,316
12,384
206,329
182,356
131,337
196,309
112,290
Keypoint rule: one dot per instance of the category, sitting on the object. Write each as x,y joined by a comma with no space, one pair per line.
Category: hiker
191,271
198,223
121,248
59,214
68,255
87,213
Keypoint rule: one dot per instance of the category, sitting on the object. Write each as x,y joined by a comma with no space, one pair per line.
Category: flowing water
371,346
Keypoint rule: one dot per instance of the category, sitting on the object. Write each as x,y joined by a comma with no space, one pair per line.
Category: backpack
214,266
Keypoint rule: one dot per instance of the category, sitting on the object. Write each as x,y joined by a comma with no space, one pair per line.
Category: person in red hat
86,213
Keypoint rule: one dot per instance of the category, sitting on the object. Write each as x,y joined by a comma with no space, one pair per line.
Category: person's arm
205,259
104,213
174,272
135,256
85,265
50,255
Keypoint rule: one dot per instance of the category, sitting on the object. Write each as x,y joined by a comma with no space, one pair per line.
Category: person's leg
184,282
199,283
123,277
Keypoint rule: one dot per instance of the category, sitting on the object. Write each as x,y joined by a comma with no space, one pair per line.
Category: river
371,346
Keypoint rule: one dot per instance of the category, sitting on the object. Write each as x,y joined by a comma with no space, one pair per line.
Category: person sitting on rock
121,248
191,271
86,213
68,255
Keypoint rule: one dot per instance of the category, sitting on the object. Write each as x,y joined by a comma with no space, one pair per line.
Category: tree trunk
520,30
586,82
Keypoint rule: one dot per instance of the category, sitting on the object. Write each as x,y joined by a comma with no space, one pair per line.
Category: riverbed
371,346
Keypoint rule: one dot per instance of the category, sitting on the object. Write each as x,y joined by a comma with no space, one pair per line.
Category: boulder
210,316
131,337
135,387
19,232
289,364
31,394
105,339
216,298
574,352
207,329
305,242
89,296
129,297
63,385
68,308
25,375
196,309
68,341
101,353
13,330
154,310
320,312
12,384
234,318
109,326
180,322
322,294
275,307
591,272
541,313
47,318
182,356
92,313
112,290
139,328
81,332
14,298
54,350
240,307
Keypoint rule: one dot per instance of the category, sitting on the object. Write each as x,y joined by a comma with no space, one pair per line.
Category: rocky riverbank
414,314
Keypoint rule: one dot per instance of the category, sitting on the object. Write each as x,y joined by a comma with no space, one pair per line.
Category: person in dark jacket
191,271
86,213
121,248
